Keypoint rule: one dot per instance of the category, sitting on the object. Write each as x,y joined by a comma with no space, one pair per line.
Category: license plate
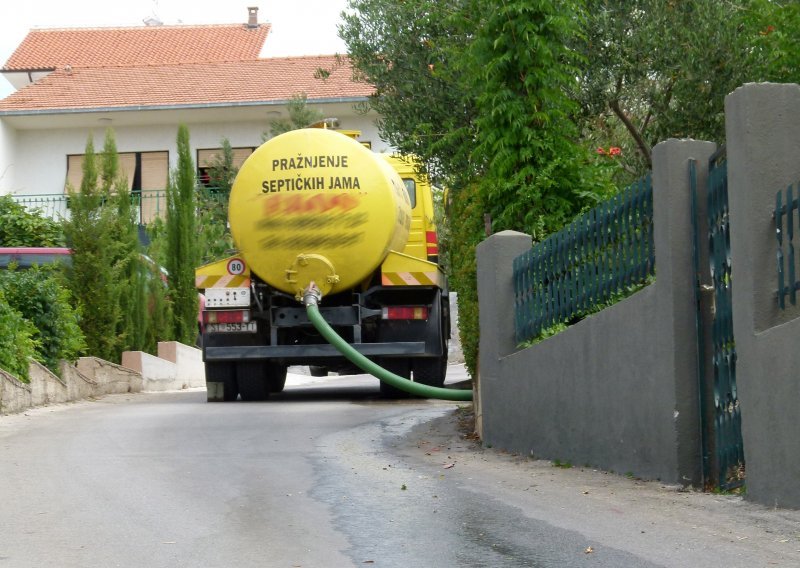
249,327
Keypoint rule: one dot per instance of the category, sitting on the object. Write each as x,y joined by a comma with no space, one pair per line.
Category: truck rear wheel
276,378
252,380
221,383
430,371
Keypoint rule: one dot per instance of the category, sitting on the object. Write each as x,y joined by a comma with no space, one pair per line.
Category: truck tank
315,205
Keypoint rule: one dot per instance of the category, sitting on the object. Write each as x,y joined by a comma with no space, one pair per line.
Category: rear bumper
306,353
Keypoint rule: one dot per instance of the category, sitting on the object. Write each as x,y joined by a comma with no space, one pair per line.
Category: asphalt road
330,475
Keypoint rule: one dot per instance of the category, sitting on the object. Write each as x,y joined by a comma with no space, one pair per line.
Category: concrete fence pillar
495,257
675,280
763,143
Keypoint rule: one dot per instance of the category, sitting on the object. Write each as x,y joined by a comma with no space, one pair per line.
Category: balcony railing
149,205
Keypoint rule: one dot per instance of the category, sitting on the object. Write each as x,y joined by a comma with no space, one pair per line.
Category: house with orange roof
145,81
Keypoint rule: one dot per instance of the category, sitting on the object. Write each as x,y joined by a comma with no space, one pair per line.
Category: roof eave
53,111
27,69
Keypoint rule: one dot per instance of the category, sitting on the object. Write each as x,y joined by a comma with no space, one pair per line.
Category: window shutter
155,172
74,173
206,157
240,155
127,167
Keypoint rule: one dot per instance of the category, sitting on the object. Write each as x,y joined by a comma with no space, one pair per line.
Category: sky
299,27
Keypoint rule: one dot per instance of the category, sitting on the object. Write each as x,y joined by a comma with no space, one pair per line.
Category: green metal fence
729,449
587,263
786,261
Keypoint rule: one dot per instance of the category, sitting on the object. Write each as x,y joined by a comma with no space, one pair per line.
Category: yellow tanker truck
315,208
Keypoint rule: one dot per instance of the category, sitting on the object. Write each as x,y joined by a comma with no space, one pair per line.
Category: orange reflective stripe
227,281
410,278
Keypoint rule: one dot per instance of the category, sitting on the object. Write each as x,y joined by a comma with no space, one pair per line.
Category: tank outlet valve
312,295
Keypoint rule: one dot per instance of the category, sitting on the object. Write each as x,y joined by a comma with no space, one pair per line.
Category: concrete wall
46,388
177,366
190,371
157,374
15,396
109,378
619,389
92,377
763,133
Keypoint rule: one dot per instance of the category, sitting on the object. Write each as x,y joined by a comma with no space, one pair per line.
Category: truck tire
221,383
401,367
430,371
252,379
276,378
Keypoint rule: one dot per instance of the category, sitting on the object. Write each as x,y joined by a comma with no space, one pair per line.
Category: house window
127,164
146,173
207,157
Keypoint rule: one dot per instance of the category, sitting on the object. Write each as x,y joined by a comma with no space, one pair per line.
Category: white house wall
8,143
36,159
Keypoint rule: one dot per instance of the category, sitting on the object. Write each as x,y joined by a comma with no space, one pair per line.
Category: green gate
723,454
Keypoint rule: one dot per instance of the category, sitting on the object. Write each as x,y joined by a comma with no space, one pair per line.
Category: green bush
39,297
17,345
20,227
464,236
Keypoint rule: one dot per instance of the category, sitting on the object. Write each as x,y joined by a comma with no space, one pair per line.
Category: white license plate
249,327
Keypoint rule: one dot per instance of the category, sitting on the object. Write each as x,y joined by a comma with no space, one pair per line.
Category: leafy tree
537,176
775,28
300,116
408,52
655,70
182,251
20,227
478,90
17,346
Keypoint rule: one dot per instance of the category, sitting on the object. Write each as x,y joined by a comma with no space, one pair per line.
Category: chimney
252,17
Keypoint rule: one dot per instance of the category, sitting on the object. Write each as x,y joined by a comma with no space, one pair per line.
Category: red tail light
405,313
432,242
226,316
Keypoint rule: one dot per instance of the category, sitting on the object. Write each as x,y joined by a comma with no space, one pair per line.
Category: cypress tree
93,275
182,250
131,285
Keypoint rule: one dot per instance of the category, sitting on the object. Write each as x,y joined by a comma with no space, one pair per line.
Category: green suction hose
311,298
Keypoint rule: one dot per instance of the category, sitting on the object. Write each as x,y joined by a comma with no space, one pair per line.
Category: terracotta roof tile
263,80
155,45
